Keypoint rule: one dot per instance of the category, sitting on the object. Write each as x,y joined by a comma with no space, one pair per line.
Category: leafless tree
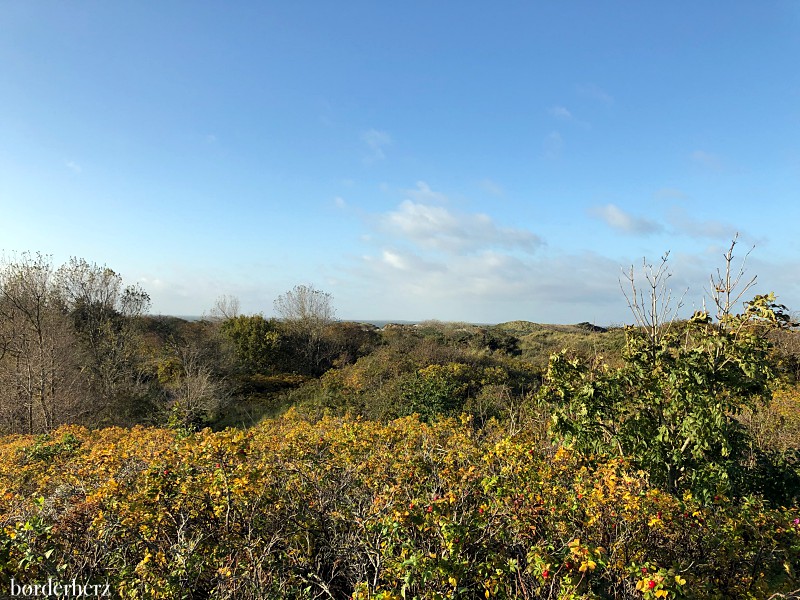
725,291
40,381
653,307
225,307
306,313
196,393
306,304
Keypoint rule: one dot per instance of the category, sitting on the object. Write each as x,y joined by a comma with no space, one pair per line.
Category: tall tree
40,382
104,312
306,313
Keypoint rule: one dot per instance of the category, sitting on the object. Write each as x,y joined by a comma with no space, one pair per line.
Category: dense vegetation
340,507
439,460
77,347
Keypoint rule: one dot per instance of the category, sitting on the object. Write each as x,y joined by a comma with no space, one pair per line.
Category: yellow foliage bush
347,508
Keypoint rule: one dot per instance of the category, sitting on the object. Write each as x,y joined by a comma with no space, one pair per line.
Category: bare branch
724,285
225,307
656,312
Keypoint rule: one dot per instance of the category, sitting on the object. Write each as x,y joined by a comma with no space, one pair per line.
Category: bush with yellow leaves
345,508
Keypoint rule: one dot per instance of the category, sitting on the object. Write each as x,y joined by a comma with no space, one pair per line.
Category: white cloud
560,112
180,290
436,228
376,141
563,114
151,284
339,202
553,145
423,193
393,259
409,261
429,261
74,167
498,286
424,222
620,220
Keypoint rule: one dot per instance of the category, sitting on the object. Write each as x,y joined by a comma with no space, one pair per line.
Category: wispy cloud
491,187
560,112
563,114
396,260
425,259
494,284
595,93
152,284
670,194
677,221
405,260
424,194
620,220
553,145
183,290
432,227
339,202
376,141
74,167
706,160
427,255
684,223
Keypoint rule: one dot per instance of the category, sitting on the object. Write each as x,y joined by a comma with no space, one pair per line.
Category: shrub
347,508
673,404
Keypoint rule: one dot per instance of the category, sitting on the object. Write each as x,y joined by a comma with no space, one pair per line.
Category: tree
40,379
672,406
195,393
255,342
655,313
105,313
307,305
306,313
225,307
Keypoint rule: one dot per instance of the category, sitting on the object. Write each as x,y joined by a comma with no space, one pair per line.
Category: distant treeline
78,347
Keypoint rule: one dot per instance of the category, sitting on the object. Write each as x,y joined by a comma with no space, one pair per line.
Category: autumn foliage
347,508
432,461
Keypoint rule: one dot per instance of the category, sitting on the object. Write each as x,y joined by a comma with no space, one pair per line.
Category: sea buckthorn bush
345,508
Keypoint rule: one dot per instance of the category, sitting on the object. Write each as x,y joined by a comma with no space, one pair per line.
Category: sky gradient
454,160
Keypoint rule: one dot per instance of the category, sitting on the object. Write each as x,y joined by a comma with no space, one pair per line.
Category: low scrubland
347,508
246,457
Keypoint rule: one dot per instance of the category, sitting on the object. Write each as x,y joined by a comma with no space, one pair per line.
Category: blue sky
453,160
